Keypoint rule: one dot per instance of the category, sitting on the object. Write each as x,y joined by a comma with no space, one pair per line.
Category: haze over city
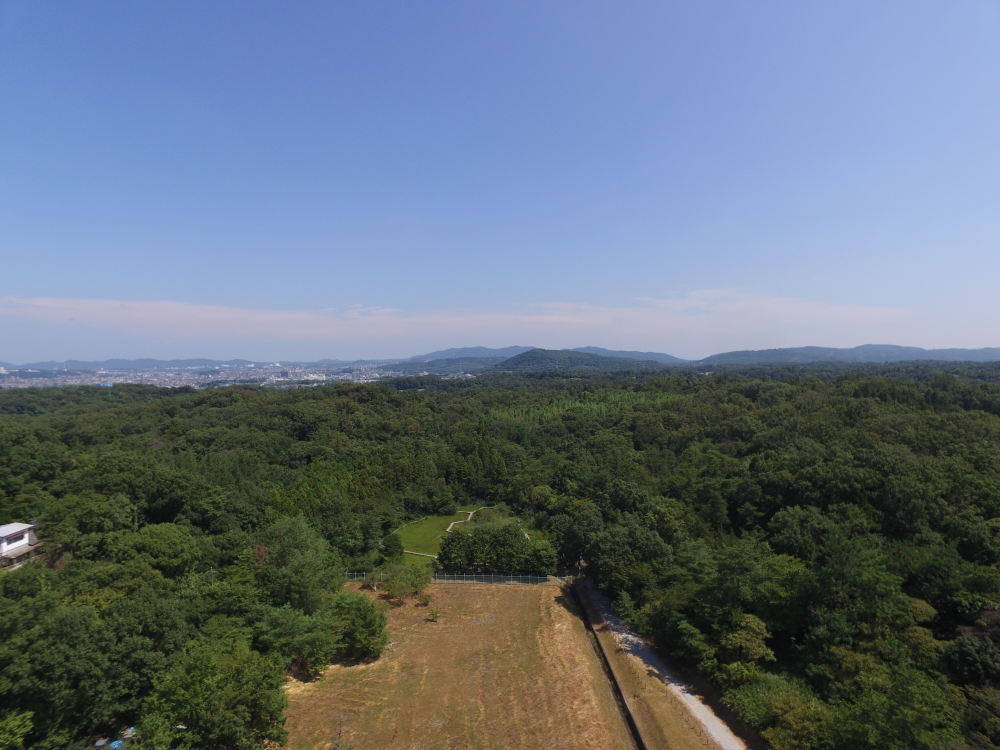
315,180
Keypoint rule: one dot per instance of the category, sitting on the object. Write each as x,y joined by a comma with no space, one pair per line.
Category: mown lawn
425,535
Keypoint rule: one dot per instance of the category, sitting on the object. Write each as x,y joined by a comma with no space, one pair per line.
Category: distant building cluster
197,377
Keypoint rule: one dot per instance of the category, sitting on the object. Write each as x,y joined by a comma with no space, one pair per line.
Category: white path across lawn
448,530
633,644
470,512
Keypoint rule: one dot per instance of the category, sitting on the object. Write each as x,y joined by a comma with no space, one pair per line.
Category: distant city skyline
349,181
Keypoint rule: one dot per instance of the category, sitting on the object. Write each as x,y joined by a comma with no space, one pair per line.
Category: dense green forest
823,549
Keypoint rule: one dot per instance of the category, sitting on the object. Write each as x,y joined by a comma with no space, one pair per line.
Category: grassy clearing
504,667
426,534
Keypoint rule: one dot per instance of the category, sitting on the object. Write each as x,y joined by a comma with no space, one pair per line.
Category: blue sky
305,180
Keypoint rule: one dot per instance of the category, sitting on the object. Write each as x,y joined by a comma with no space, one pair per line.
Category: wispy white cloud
693,325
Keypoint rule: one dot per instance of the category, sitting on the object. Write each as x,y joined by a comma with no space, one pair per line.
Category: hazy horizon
319,180
401,358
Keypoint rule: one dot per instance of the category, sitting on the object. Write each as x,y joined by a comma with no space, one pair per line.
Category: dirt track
506,666
669,714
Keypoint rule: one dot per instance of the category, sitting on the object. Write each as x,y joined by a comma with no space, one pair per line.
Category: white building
18,543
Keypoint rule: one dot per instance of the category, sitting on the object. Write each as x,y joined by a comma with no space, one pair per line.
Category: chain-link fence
463,577
359,575
489,578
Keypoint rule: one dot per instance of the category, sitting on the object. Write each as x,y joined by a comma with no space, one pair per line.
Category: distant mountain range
541,360
866,353
666,359
473,358
472,352
597,359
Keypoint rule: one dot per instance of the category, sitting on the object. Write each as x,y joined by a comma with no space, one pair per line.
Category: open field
505,666
425,535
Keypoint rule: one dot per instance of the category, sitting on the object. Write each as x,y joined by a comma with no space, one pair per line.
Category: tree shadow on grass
345,660
301,673
566,600
392,602
389,600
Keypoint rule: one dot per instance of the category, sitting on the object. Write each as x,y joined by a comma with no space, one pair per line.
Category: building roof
10,529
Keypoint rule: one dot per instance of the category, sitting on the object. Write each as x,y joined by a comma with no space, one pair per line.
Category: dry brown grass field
505,666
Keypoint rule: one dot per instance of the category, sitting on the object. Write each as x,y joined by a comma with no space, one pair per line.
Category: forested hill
865,353
444,366
824,552
640,356
542,360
